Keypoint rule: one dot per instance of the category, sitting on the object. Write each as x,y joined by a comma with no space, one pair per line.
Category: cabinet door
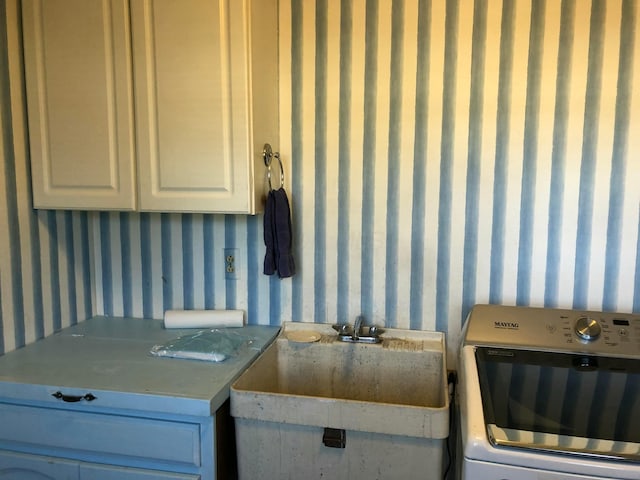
106,472
78,81
18,466
192,105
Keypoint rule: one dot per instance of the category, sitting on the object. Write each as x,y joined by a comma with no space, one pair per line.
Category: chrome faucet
358,333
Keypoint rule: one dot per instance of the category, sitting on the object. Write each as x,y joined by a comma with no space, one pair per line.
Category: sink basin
396,388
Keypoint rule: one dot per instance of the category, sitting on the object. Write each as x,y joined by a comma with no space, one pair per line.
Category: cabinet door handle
73,398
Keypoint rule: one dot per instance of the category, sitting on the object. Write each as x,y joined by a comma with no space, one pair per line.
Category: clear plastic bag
214,345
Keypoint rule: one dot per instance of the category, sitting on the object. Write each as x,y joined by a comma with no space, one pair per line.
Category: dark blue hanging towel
278,235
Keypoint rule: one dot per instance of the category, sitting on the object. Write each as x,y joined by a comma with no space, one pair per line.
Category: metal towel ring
268,155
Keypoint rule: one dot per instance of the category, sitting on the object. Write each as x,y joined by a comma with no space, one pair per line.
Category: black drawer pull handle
74,398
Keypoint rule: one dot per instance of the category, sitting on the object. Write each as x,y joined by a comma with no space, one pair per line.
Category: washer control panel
554,329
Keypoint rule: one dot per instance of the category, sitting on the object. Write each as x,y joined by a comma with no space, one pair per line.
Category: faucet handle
342,329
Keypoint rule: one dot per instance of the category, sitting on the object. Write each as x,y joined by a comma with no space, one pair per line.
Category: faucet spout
357,328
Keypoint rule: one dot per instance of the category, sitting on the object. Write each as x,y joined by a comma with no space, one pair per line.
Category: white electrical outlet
230,263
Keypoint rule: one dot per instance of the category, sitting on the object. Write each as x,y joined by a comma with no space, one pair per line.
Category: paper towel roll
203,318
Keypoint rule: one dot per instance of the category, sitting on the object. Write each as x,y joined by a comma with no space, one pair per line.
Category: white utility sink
396,389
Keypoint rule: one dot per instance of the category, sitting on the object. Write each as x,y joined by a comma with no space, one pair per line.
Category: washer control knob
588,328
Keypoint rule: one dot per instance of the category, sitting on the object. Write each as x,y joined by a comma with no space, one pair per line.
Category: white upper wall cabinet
151,105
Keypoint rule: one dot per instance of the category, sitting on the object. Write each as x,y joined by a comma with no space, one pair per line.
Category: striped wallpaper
437,154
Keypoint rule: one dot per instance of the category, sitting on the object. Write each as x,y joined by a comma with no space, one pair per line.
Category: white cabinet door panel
80,109
189,103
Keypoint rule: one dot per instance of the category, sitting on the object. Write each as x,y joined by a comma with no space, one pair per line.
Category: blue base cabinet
91,403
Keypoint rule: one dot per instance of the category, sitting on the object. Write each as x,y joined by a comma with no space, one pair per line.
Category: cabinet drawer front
16,466
100,434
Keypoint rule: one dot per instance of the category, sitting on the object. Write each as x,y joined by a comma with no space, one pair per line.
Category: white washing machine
548,394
